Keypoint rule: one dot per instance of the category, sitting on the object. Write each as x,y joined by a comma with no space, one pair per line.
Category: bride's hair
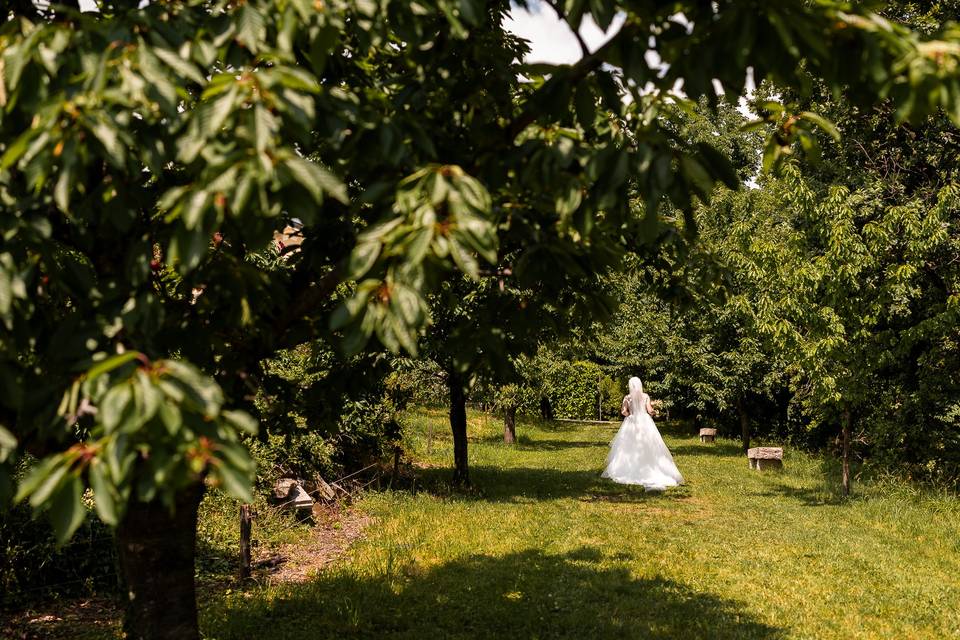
636,394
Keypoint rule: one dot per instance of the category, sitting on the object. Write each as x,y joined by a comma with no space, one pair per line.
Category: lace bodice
627,409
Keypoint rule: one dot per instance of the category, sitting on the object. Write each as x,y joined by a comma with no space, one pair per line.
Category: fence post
246,520
396,465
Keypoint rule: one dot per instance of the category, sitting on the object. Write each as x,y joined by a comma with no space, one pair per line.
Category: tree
148,154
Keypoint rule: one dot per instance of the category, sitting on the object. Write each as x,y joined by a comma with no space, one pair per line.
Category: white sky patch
551,39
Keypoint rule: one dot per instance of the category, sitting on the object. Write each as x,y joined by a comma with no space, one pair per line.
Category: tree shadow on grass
526,594
526,443
827,491
807,496
522,484
716,449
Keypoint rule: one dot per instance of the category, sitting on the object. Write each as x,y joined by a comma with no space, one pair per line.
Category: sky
550,38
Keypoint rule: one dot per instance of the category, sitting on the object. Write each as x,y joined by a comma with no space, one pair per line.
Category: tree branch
576,30
574,74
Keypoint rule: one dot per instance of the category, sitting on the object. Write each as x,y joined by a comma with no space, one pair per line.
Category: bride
638,454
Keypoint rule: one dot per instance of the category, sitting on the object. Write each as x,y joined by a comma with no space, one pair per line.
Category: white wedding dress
638,454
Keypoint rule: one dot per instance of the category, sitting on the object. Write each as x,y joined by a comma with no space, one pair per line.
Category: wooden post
599,397
846,452
396,465
246,520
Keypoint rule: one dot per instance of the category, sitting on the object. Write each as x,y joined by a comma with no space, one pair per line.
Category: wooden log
708,435
765,458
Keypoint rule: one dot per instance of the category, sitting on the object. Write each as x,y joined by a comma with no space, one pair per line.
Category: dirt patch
100,617
294,563
83,618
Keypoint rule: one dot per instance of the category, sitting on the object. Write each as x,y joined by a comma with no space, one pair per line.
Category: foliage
33,566
111,179
578,389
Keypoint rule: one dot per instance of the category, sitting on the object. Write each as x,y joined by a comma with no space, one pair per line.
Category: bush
578,389
323,414
33,567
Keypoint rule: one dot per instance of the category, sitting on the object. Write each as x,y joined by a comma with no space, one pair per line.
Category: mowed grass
543,548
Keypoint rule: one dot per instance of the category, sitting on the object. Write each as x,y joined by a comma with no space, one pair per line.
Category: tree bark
246,524
510,425
546,410
847,419
744,424
458,425
156,550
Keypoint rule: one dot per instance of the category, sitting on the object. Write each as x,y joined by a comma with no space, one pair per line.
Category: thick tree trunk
510,425
156,552
458,425
846,451
744,424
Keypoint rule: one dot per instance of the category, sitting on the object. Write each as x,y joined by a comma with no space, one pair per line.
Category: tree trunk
246,525
846,452
546,410
510,425
744,424
458,425
156,553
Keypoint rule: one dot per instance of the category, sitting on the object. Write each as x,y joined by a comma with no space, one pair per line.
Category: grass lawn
543,548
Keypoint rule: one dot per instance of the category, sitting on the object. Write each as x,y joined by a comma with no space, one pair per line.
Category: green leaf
242,421
170,416
771,154
464,259
113,407
8,444
107,134
184,67
66,511
719,165
110,364
236,482
251,28
754,125
103,492
48,483
362,258
828,127
212,115
61,193
35,477
16,150
316,180
264,126
148,395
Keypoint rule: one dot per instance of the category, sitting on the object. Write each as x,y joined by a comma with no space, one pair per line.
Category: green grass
543,548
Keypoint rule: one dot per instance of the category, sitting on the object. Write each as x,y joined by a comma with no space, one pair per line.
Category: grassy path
544,548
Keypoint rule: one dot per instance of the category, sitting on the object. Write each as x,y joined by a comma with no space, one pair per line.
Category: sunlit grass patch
542,547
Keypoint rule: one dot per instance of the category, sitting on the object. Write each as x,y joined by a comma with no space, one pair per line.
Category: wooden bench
765,458
708,435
